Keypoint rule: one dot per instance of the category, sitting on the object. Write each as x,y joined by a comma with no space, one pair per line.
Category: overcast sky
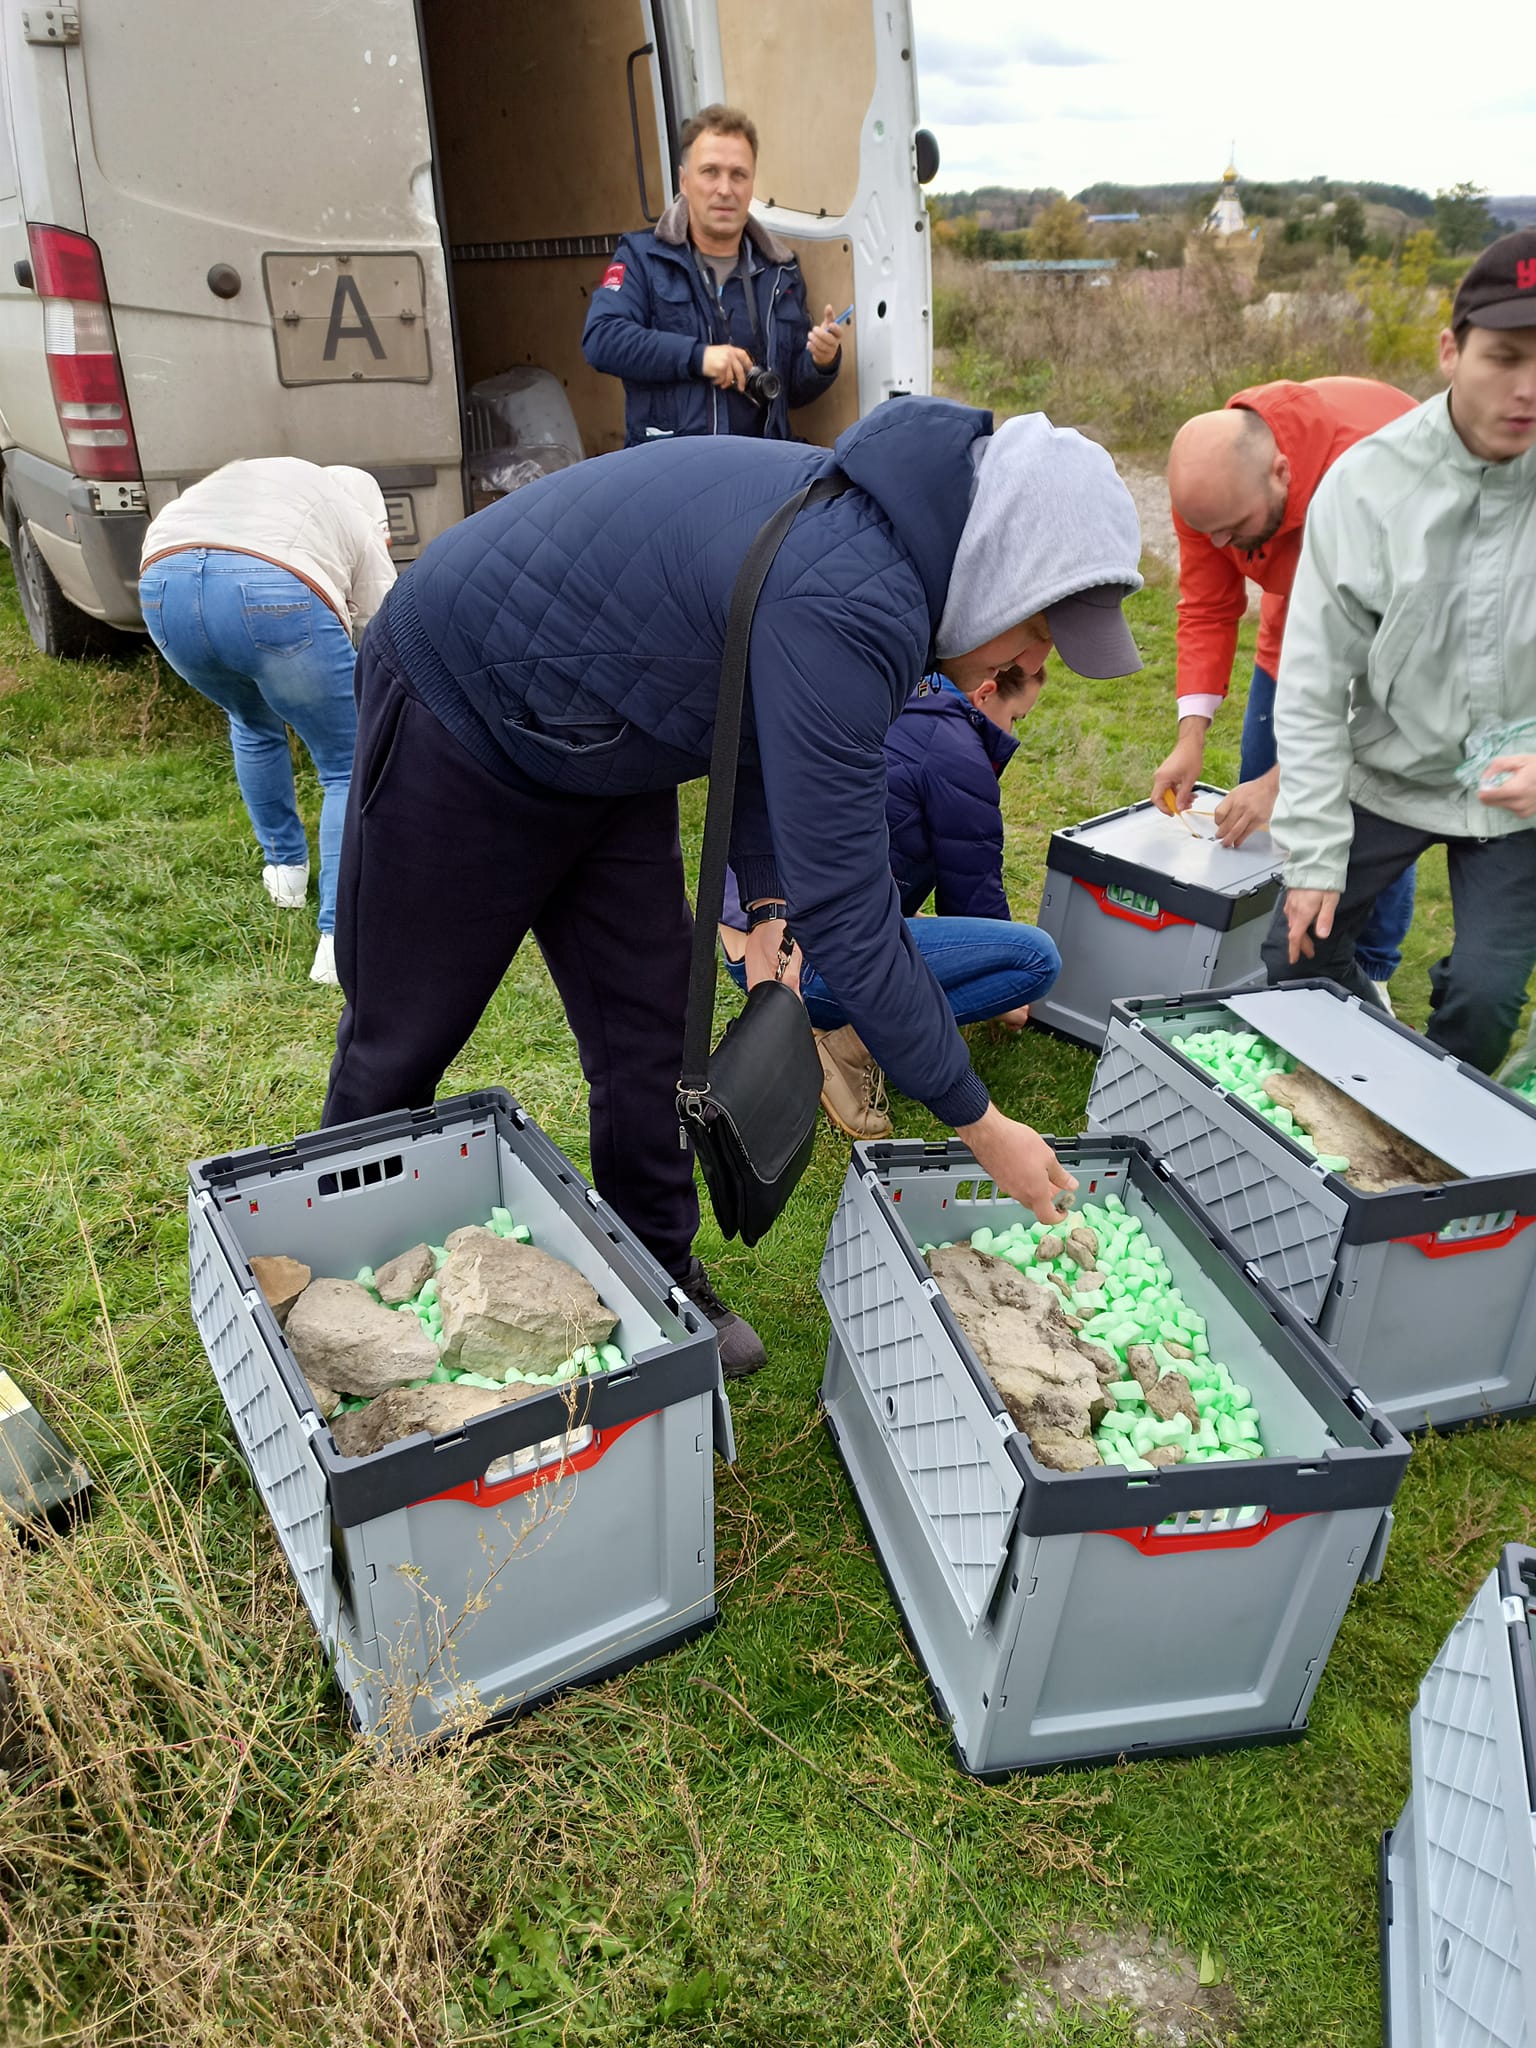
1023,94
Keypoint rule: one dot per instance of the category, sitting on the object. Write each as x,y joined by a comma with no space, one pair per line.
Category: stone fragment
1172,1395
509,1305
439,1410
1049,1248
1083,1245
1072,1322
1177,1350
1104,1362
1166,1454
1064,1453
1379,1157
282,1280
327,1400
467,1233
400,1279
343,1339
1142,1365
1088,1281
1019,1333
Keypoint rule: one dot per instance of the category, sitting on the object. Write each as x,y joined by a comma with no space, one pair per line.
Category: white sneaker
1383,990
324,968
286,886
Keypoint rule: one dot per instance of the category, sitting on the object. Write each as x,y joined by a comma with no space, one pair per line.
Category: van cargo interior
536,149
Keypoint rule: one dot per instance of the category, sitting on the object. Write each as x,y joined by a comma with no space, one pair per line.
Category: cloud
1120,116
1049,50
950,56
1035,105
947,105
992,106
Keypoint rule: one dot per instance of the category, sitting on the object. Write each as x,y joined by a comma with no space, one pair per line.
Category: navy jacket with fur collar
572,634
653,315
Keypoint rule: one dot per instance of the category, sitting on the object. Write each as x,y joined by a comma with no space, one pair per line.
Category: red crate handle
479,1495
1433,1248
1150,1544
1100,894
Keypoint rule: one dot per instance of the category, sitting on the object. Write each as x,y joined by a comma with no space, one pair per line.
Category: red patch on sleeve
613,278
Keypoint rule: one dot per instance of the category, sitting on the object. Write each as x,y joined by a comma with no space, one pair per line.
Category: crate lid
1143,838
1399,1077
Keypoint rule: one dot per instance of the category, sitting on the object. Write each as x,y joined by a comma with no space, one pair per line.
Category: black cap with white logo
1500,288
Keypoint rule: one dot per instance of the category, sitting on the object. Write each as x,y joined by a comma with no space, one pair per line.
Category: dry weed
1131,359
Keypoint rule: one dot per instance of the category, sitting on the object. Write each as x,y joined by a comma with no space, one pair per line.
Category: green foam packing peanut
1138,1304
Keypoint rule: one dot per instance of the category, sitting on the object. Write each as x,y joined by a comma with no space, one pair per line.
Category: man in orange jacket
1241,480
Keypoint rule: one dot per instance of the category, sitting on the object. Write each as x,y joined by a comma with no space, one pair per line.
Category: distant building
1055,265
1100,220
1060,269
1226,217
1224,236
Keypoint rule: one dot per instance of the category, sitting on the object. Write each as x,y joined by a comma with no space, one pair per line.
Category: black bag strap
722,770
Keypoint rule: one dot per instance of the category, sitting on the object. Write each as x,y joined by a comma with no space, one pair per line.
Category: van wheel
57,627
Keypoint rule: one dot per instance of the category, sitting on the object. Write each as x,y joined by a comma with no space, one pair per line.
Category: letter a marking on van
362,328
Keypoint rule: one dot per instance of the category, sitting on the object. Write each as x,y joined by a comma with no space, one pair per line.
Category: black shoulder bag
751,1105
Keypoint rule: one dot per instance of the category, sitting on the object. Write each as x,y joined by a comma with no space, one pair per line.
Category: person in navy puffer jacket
944,759
543,678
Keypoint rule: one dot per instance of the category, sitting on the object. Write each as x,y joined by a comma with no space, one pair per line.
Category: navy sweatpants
445,870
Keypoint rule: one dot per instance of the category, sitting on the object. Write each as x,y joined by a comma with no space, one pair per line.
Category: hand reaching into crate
1020,1162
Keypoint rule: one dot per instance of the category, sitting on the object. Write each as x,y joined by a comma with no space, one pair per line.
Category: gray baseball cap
1089,632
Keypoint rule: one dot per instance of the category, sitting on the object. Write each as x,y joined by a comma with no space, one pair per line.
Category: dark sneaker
741,1349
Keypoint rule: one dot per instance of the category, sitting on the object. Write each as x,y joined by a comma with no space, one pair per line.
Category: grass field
758,1840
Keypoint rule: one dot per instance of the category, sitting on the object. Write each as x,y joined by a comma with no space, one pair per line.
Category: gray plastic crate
1458,1893
554,1541
1138,906
1427,1295
1065,1617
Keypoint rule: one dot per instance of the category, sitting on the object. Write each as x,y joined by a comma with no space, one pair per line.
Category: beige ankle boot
853,1088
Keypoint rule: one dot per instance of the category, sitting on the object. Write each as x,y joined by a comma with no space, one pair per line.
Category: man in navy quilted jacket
686,309
541,681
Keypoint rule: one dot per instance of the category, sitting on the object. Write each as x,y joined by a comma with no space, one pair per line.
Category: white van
234,229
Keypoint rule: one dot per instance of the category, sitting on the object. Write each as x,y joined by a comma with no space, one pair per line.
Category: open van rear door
831,85
259,181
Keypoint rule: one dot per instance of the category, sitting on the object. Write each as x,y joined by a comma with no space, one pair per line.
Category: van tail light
89,395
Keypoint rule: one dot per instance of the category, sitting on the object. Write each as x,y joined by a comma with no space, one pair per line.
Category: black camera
763,385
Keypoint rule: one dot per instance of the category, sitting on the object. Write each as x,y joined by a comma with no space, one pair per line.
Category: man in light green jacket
1409,667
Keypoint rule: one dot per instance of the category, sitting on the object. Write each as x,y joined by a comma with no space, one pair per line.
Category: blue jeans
1379,948
985,967
270,654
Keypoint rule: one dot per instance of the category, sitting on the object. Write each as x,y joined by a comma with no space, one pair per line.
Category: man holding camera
704,317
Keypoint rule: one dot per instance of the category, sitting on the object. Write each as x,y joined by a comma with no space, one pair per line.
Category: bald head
1227,478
